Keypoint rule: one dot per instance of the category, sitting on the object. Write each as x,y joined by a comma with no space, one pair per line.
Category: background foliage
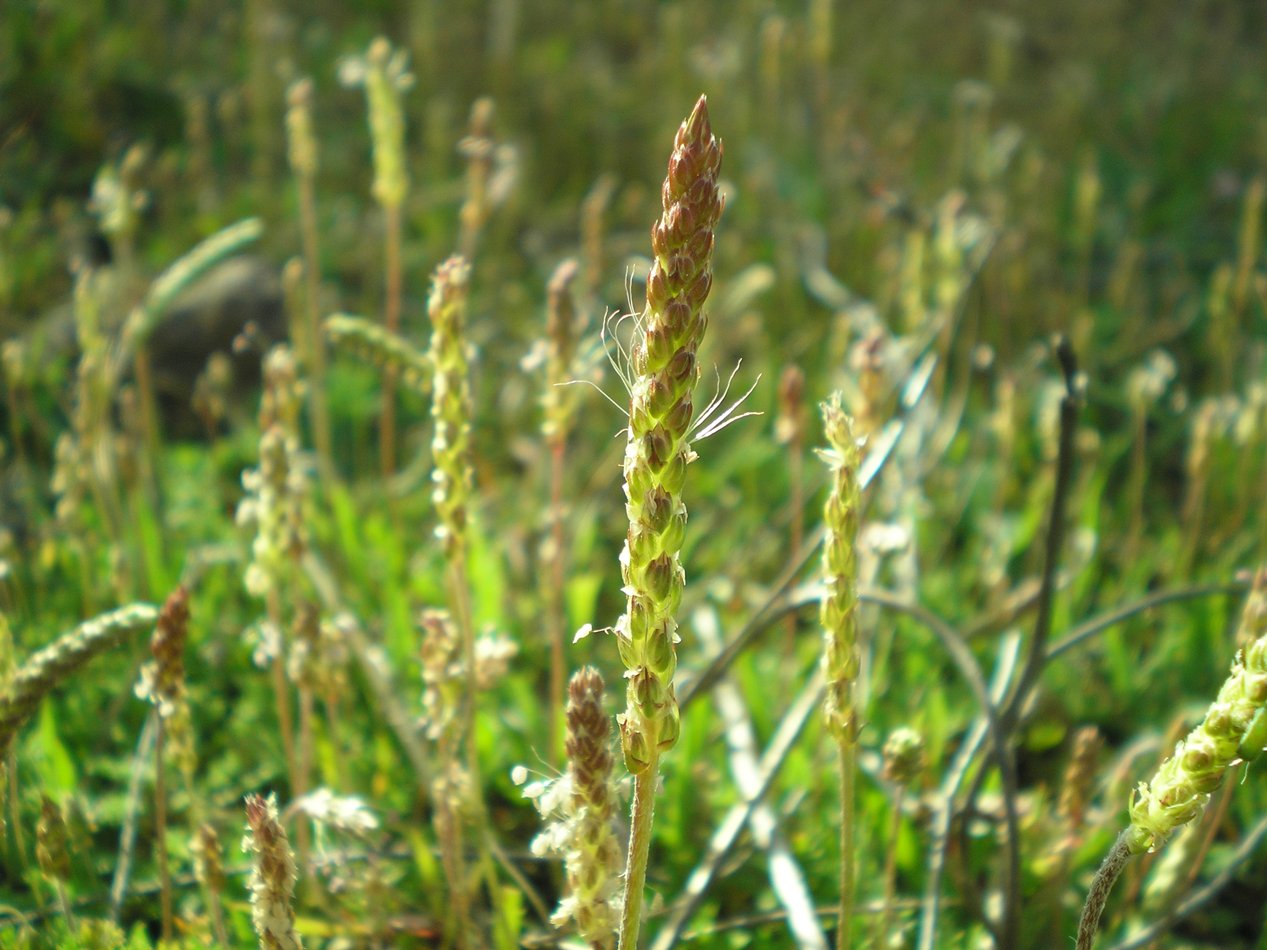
960,179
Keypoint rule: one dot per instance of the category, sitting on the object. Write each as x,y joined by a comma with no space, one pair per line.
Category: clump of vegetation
318,339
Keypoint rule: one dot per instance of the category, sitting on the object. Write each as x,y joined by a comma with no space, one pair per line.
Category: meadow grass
1018,256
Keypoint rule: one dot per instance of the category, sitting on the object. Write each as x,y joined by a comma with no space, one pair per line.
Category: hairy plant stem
304,162
303,782
554,599
639,850
285,721
64,900
391,320
1101,887
460,599
316,342
331,703
160,828
148,462
449,830
217,918
885,925
848,771
796,476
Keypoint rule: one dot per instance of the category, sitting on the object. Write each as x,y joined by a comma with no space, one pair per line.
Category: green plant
1179,791
662,380
840,630
273,876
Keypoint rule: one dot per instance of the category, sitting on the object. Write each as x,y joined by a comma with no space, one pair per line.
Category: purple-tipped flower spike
658,449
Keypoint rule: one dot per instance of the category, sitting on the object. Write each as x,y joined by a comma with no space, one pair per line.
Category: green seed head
302,141
386,77
560,349
1181,787
163,679
903,755
381,348
451,402
658,447
840,571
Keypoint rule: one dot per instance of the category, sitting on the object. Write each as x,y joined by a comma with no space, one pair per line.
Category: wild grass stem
442,655
477,147
847,752
884,927
904,762
303,161
52,855
641,819
557,404
790,431
839,617
281,688
662,381
554,597
209,869
162,683
451,412
1182,786
391,320
384,74
160,829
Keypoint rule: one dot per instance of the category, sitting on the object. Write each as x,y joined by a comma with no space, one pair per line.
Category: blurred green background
987,174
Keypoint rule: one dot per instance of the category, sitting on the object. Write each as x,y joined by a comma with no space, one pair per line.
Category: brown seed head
167,674
51,851
273,876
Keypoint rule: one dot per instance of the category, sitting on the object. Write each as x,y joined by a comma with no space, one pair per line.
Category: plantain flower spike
594,857
272,876
664,373
840,573
451,403
1182,786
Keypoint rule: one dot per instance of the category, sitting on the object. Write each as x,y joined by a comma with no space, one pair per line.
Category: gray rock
237,301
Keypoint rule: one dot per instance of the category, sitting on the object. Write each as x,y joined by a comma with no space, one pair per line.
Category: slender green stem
890,873
796,480
64,899
160,830
149,430
461,601
217,918
848,771
303,779
1101,886
639,850
281,692
331,703
316,342
391,320
554,596
449,831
